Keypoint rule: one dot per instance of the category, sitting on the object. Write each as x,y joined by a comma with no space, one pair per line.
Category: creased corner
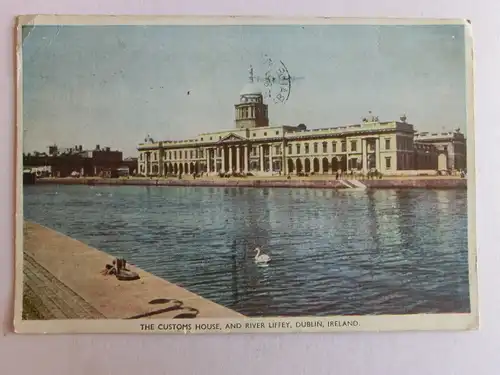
26,20
25,25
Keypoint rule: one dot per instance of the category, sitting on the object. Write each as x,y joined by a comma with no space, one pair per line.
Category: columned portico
234,154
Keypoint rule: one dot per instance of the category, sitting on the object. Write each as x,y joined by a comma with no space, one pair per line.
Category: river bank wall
415,183
62,280
386,183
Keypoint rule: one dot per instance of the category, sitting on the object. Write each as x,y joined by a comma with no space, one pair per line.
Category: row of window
407,144
387,159
388,164
343,147
254,151
187,154
199,153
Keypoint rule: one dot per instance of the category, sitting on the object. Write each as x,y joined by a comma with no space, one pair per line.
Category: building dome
251,89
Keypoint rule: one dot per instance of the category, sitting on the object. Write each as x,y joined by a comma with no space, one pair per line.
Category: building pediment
230,138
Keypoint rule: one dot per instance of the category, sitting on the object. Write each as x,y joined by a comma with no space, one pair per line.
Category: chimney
98,147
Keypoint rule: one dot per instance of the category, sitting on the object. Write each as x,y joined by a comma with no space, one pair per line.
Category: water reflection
375,252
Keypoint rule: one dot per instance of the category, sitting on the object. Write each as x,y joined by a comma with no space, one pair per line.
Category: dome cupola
251,92
251,112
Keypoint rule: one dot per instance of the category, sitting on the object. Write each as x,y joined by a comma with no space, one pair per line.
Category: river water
333,252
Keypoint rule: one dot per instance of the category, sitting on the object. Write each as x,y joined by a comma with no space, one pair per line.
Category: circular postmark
277,80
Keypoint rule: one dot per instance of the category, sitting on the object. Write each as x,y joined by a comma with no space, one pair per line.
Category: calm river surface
341,253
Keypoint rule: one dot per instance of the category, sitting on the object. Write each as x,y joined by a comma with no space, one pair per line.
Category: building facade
253,146
450,148
76,161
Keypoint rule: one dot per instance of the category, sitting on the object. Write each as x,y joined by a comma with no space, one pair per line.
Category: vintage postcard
244,174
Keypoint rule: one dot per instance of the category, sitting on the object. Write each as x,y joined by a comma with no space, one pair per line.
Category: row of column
364,153
212,153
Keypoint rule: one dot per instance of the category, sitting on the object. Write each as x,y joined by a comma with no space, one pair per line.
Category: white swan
261,258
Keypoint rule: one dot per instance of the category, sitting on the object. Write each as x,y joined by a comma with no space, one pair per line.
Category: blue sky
113,85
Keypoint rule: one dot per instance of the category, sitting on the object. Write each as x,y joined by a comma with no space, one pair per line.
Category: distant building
76,161
425,157
450,147
130,164
40,171
253,146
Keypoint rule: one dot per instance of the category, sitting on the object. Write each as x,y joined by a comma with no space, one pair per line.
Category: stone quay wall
62,279
385,183
417,183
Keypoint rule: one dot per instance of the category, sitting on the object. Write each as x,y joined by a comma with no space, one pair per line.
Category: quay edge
62,280
385,183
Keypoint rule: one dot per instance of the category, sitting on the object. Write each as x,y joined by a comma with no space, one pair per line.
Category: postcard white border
417,322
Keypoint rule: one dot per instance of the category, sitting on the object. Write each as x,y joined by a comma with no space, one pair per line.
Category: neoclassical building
252,146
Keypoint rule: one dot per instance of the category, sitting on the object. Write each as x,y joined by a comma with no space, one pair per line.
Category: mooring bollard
118,265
